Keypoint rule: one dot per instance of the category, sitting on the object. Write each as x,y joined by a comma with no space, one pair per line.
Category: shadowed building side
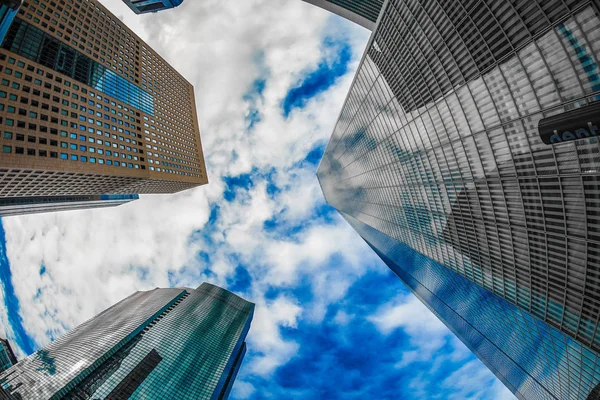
149,6
362,12
7,355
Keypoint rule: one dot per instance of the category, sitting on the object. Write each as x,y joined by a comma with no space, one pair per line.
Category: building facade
147,6
43,204
162,344
362,12
88,109
8,11
7,355
466,156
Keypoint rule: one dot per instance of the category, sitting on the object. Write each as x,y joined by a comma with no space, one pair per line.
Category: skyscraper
88,109
7,355
146,6
362,12
8,11
466,156
162,344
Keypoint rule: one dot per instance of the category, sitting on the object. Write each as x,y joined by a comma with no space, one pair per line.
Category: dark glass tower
160,344
147,6
362,12
7,355
466,156
8,11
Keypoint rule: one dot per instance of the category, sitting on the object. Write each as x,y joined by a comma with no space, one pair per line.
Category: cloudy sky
332,322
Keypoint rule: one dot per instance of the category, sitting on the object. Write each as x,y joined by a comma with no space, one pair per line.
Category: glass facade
437,149
34,44
146,6
362,12
8,11
161,344
7,356
532,358
41,204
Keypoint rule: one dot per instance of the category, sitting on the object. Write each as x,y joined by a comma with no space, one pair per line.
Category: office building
88,109
175,343
42,204
7,355
466,156
362,12
147,6
8,11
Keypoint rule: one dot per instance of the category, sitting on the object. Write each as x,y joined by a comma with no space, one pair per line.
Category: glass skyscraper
8,11
362,12
7,355
161,344
466,156
147,6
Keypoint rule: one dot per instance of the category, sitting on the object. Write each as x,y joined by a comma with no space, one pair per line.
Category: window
6,149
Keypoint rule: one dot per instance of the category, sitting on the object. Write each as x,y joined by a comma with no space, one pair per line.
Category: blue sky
332,321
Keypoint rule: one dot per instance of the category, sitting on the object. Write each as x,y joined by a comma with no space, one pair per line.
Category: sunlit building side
466,156
177,343
89,109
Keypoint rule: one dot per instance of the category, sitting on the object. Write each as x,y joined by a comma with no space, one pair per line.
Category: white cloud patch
427,337
95,258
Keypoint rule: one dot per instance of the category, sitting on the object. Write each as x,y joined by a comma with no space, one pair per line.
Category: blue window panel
26,40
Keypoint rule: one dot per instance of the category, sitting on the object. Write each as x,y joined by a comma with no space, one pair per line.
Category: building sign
580,123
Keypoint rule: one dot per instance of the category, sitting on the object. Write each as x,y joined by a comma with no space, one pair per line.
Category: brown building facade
88,108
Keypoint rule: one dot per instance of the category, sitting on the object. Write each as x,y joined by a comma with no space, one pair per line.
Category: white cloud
94,258
427,336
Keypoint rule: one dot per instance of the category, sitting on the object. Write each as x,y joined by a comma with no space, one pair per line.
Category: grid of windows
7,356
365,8
32,43
68,360
437,147
363,12
534,360
146,6
167,343
131,116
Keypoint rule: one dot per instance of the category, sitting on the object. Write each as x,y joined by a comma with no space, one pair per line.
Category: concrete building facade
87,108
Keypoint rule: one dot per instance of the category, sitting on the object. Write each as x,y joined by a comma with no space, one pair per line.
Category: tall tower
466,156
160,344
362,12
88,109
147,6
